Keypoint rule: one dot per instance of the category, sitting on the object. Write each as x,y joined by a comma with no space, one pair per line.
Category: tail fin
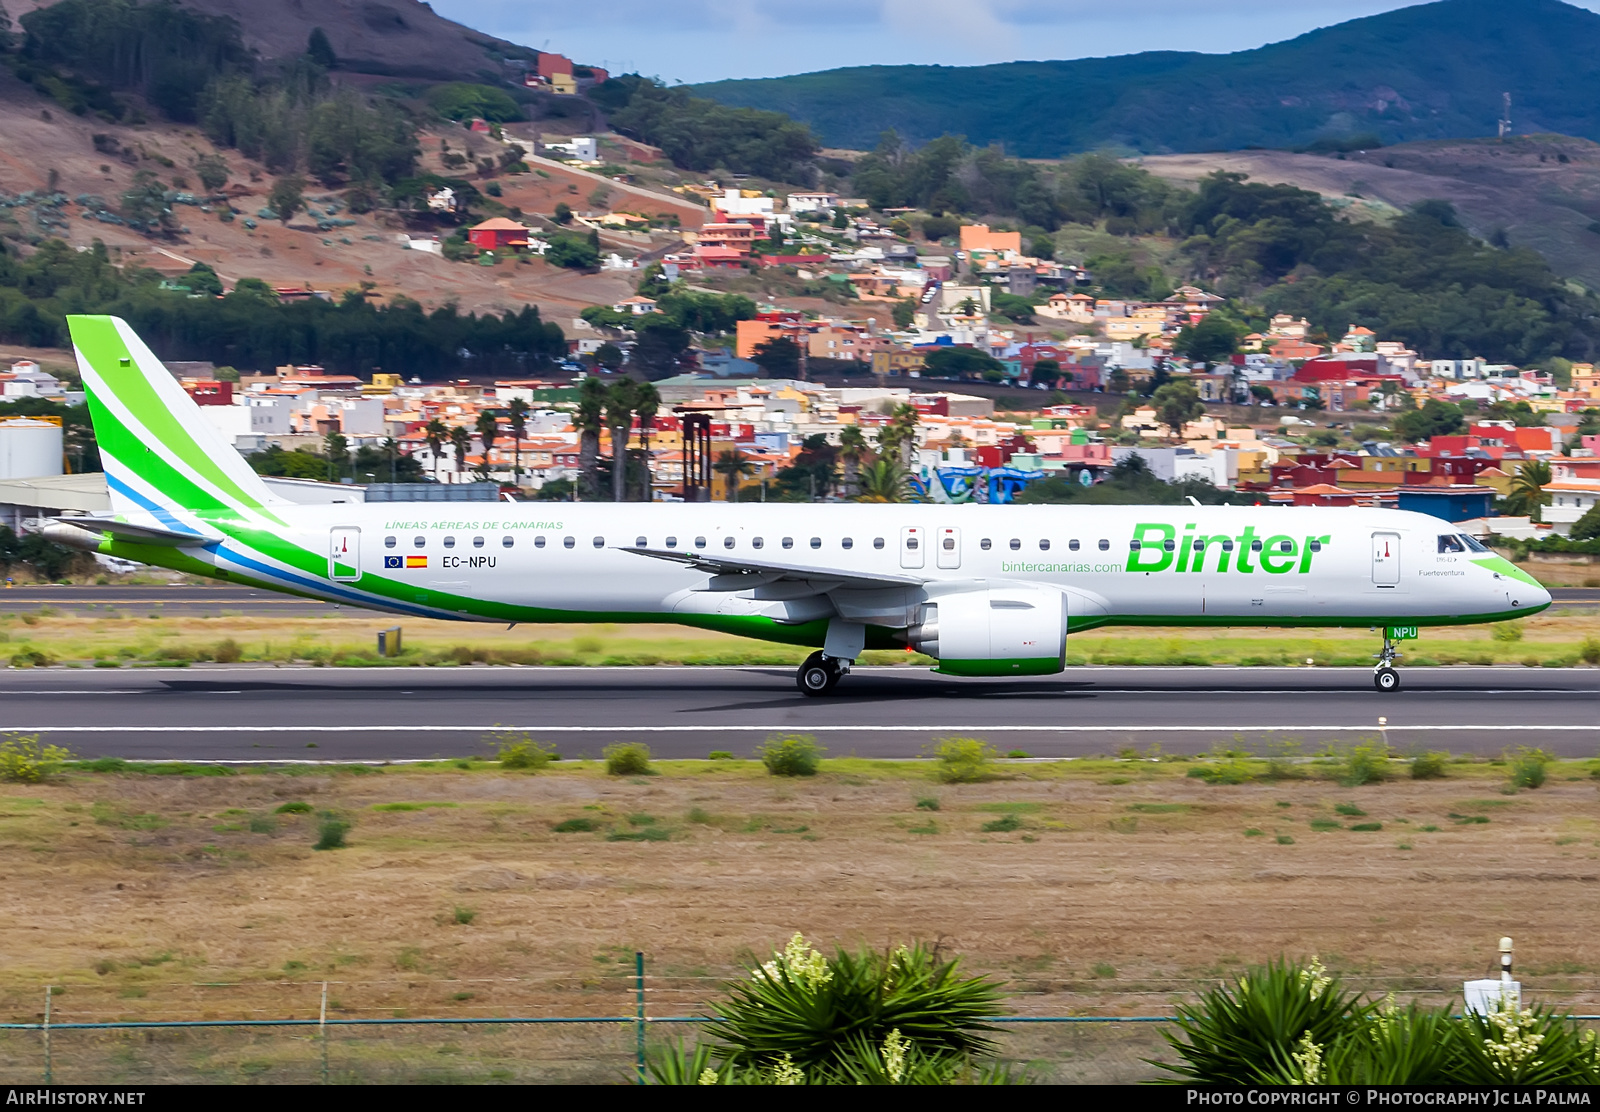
158,452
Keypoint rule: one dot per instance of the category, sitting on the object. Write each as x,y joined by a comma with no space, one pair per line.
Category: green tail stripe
122,444
98,339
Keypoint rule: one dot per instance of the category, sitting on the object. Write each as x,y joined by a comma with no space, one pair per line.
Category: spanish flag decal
416,561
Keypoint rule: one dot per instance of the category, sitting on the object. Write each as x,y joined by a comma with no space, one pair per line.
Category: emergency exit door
344,553
948,547
1386,559
913,547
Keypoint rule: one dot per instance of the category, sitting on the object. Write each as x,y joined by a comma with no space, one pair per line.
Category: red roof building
497,232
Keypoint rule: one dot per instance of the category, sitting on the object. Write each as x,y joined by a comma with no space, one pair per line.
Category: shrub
1003,825
1528,767
515,749
628,759
24,760
1507,632
931,802
813,1012
1590,651
227,652
294,807
1429,766
331,832
964,760
1248,1033
794,755
576,826
1364,764
719,755
1231,771
464,915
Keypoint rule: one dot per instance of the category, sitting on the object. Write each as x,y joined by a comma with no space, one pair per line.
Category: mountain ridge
1429,71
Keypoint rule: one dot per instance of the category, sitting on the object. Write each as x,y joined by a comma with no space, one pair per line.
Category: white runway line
780,727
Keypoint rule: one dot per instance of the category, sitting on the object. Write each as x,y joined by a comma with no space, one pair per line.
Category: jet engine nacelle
997,631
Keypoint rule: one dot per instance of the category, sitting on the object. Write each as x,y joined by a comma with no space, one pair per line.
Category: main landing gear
820,674
1384,676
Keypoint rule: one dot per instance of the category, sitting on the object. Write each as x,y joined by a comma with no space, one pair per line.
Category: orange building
978,237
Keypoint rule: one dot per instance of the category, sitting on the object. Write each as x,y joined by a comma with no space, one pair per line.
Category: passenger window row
1044,544
421,541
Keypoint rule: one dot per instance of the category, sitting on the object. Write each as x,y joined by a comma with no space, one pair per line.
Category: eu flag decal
393,562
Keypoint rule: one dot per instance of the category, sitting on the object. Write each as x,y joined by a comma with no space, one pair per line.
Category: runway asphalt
256,713
175,600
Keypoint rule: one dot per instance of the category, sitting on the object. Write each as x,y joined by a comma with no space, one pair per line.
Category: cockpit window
1450,542
1473,543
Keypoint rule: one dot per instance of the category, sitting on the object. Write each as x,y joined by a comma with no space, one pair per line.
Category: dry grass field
1092,887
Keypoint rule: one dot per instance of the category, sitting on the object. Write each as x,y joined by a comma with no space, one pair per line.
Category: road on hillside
245,712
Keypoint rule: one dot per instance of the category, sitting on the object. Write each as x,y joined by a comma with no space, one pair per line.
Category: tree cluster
250,327
700,134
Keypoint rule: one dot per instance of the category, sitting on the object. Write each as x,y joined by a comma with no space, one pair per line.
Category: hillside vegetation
1431,71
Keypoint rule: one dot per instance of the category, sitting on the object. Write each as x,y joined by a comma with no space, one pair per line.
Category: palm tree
899,437
646,404
587,420
883,480
461,440
733,466
436,434
519,430
1527,488
619,419
852,450
488,427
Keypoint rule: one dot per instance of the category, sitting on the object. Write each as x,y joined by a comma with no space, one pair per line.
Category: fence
629,1015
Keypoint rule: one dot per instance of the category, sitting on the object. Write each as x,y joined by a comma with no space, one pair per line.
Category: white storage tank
29,448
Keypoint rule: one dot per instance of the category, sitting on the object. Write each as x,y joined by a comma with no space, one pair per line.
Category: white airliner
985,590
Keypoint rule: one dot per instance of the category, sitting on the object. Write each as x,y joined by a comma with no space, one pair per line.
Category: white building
585,149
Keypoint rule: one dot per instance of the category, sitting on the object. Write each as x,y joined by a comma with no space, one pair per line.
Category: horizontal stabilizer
63,531
739,574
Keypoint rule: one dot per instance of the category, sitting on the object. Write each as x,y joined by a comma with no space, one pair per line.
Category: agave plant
1525,1046
1251,1032
819,1012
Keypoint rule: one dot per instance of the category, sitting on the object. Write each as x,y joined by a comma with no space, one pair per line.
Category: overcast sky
703,40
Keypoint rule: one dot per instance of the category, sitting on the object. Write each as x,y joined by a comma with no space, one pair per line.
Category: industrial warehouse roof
86,493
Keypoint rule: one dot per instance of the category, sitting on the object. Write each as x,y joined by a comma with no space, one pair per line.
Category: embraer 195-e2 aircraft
986,590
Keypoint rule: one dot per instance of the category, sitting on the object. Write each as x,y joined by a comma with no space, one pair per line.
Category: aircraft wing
733,573
139,534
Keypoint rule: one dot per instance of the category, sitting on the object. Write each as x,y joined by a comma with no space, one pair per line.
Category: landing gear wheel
817,676
1386,679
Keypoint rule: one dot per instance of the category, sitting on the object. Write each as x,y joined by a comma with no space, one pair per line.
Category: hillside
1541,191
400,38
1433,71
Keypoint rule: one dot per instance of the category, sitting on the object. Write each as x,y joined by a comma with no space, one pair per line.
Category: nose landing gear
820,674
1384,676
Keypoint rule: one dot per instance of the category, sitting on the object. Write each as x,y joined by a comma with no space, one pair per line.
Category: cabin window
1169,544
1199,544
727,542
877,542
1044,545
1449,542
1134,546
1255,546
847,543
420,541
449,542
672,542
388,542
986,544
1285,546
477,542
1105,545
699,542
1227,546
949,544
756,542
816,542
788,542
569,542
1016,545
599,542
1316,546
1471,542
641,542
912,544
1072,545
508,540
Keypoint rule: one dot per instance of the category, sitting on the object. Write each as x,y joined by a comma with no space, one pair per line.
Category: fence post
49,990
638,1023
322,1031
